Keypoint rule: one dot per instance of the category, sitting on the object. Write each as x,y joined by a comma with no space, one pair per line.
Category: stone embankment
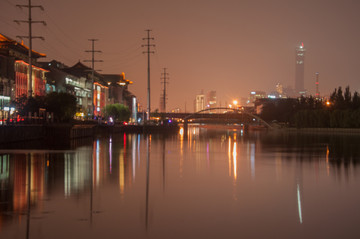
59,132
322,130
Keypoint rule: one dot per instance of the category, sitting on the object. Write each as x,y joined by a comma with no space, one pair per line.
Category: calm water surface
206,184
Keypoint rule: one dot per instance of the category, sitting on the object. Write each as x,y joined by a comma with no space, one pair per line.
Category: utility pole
30,37
164,77
148,45
317,94
93,51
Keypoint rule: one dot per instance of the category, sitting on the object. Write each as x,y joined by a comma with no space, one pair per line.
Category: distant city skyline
230,46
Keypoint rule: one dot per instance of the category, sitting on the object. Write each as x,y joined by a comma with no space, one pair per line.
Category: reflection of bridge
229,116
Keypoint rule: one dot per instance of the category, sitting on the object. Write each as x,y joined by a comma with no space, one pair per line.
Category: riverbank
61,132
354,131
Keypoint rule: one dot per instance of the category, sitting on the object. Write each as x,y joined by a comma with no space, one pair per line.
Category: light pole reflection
235,160
28,159
252,159
163,160
110,155
147,181
299,189
232,155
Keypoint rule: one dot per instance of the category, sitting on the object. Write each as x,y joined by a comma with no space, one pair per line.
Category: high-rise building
279,89
200,102
299,70
254,95
211,99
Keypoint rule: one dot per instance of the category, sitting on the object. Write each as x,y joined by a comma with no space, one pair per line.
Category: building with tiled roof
14,77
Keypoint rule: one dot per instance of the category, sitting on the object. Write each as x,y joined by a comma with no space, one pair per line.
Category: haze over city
232,47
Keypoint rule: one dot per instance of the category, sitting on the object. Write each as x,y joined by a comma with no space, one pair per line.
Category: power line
125,62
63,32
72,50
30,37
10,3
125,56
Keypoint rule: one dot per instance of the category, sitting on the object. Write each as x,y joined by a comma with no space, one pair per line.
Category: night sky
231,46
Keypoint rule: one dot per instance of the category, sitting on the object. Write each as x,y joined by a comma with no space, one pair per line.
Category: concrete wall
21,133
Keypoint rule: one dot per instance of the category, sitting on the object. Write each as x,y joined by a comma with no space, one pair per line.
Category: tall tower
299,70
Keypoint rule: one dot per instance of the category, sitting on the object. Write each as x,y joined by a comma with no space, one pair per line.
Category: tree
26,105
63,105
356,101
118,112
347,97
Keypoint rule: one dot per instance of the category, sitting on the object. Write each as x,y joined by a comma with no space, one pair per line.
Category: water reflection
210,183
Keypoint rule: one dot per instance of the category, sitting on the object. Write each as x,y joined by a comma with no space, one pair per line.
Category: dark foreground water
207,184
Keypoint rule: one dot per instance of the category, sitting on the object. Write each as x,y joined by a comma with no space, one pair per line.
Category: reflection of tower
298,194
299,190
299,70
317,94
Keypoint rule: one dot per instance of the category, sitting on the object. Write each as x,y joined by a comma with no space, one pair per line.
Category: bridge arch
237,111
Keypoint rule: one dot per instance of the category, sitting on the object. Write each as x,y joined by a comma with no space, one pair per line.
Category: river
208,183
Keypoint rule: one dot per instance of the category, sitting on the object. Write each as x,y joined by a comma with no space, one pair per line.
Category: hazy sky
231,46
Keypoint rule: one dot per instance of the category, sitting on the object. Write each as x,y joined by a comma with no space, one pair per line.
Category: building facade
14,74
93,91
211,99
200,102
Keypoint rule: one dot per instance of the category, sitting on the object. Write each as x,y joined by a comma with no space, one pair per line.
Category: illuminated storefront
22,82
100,98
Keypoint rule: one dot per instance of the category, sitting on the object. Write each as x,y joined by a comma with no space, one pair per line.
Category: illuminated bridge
229,116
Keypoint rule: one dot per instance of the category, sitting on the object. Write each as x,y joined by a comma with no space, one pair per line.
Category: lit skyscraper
299,70
200,102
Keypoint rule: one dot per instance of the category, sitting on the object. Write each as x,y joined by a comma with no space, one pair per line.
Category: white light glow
299,203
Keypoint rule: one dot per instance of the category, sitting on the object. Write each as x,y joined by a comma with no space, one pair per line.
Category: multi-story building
118,89
200,102
254,95
211,99
60,79
93,82
14,73
93,91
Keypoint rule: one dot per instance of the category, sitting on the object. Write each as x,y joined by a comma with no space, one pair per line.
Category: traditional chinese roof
117,79
81,70
8,43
